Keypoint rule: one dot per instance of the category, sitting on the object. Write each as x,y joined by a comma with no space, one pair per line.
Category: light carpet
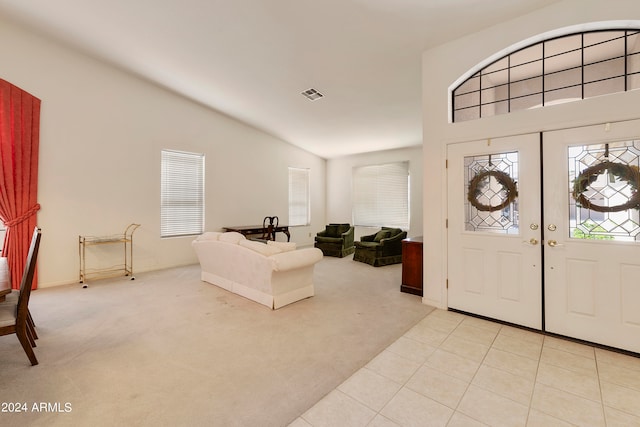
170,350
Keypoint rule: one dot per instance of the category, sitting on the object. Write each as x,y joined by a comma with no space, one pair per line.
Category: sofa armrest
368,238
348,237
396,238
393,245
296,259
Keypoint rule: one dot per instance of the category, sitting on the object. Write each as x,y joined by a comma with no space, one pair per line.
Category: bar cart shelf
125,239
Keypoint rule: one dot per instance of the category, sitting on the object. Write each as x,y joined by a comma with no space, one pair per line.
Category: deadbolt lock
552,227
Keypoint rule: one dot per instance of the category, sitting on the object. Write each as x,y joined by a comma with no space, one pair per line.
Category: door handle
532,241
554,243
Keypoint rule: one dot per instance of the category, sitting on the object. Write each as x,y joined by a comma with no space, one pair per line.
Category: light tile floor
456,370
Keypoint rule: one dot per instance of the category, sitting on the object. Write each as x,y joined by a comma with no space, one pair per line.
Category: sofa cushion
382,234
332,230
342,228
394,231
231,237
209,235
367,245
284,246
261,248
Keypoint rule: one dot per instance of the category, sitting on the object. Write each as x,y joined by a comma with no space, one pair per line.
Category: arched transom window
561,69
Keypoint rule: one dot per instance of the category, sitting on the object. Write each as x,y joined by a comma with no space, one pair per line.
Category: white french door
494,255
592,255
583,227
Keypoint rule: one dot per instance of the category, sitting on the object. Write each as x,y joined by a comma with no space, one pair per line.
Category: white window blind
182,194
299,200
381,195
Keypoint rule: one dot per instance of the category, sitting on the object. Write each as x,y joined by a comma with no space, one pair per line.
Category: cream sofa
274,274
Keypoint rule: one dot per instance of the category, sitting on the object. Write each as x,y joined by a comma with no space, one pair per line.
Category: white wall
443,65
339,185
102,131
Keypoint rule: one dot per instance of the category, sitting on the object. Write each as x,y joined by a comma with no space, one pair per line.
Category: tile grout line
604,415
535,380
417,369
474,375
402,385
455,410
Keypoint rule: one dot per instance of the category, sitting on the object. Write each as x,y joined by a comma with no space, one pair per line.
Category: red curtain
19,143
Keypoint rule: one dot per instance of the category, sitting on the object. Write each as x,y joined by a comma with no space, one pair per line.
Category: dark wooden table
5,278
252,230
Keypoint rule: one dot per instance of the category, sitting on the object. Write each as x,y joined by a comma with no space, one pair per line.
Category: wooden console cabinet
412,266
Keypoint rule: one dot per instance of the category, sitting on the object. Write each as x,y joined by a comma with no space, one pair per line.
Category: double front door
544,231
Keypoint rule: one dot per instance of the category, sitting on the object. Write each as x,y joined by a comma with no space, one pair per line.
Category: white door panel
495,258
592,285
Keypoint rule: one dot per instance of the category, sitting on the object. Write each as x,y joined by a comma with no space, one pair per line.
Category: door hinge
446,163
446,223
447,283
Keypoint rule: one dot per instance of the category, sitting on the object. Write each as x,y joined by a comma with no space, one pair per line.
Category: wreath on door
629,174
475,192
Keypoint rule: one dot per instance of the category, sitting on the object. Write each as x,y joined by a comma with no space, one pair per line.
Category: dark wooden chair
14,319
12,300
269,224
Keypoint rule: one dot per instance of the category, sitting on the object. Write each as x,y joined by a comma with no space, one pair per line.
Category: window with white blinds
299,200
381,195
181,194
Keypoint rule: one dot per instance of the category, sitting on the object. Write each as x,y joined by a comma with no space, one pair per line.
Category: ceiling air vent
312,94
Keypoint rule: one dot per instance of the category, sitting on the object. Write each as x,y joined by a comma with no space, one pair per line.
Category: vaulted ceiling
251,59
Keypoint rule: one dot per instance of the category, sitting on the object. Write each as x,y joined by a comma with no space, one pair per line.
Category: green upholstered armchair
336,240
381,248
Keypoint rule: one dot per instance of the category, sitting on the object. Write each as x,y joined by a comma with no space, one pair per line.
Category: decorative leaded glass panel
604,202
491,202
